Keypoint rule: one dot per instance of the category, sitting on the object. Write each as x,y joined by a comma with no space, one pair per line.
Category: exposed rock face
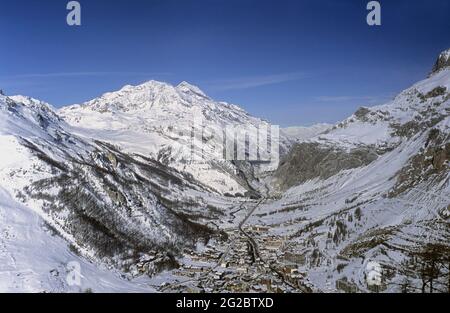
442,62
362,113
431,162
310,160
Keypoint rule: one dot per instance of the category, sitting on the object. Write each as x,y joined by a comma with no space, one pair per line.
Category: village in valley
251,261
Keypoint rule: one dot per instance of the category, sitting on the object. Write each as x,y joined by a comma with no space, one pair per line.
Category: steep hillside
177,125
112,207
374,189
123,186
370,132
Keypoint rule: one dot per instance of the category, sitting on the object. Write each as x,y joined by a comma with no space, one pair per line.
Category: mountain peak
32,102
157,87
184,86
148,85
443,61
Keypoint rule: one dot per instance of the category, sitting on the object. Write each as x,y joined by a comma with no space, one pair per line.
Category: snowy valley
111,185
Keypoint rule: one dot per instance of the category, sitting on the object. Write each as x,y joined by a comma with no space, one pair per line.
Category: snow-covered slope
421,106
34,259
156,119
388,211
111,184
373,188
111,207
301,133
370,132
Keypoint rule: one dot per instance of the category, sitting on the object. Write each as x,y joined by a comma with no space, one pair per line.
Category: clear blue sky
292,62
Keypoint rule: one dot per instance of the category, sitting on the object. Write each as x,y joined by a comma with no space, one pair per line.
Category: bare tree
429,263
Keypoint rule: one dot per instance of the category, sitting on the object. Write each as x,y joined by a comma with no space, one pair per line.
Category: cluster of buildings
234,268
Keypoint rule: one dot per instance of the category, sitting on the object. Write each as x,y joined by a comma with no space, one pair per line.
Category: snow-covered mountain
373,188
156,119
372,131
112,184
113,208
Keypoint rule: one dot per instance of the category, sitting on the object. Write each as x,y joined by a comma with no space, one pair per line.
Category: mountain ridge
107,177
